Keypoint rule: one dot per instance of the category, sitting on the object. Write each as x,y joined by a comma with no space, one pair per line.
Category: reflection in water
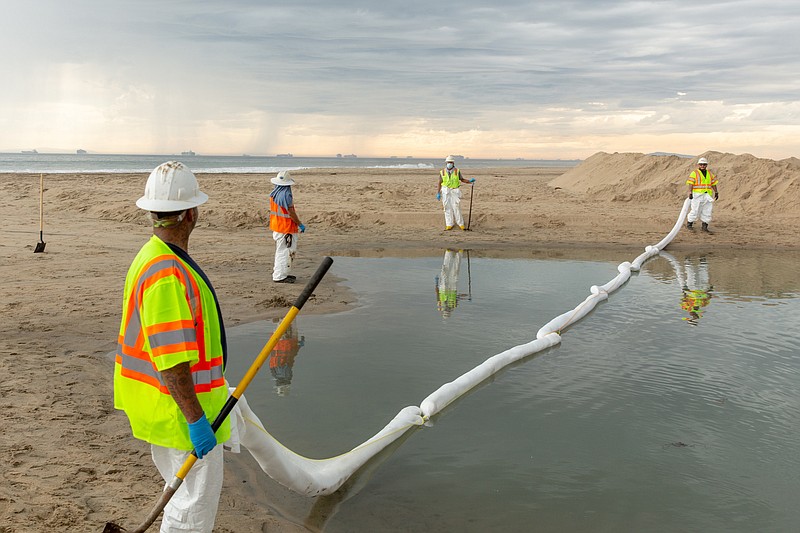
281,360
447,295
706,433
737,274
693,303
693,276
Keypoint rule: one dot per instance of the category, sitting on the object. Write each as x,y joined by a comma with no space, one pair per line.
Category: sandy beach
70,461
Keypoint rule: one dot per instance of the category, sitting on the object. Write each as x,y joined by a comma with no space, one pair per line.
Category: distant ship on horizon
188,152
284,155
30,152
80,151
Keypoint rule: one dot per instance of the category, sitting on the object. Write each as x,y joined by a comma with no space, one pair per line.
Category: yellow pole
176,482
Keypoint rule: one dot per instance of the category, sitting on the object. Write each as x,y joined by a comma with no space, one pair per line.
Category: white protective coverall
451,200
193,507
702,205
285,249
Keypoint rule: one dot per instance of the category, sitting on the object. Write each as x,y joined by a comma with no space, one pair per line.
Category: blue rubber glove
202,436
472,180
438,196
302,228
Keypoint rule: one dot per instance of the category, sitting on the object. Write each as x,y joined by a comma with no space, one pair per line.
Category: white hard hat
171,187
449,159
283,178
702,161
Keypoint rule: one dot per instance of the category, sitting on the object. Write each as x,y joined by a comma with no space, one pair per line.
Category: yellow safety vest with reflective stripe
700,183
169,316
451,180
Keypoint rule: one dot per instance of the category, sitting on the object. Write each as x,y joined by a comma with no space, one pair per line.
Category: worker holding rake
447,190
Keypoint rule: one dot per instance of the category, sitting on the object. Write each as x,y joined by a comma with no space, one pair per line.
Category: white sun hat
283,178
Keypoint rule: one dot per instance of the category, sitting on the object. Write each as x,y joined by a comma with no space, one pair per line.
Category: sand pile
747,183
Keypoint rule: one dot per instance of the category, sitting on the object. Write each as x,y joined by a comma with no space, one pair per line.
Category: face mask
450,166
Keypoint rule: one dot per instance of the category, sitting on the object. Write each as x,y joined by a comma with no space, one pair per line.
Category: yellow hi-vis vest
451,180
169,316
700,183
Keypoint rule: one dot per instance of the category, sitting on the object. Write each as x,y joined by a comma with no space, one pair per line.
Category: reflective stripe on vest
166,337
280,220
701,183
451,180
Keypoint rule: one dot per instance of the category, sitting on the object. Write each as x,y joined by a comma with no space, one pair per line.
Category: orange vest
284,353
279,219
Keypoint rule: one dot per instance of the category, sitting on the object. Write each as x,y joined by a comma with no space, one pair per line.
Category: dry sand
70,463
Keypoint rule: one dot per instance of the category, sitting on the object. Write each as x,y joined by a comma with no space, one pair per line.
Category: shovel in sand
177,481
40,245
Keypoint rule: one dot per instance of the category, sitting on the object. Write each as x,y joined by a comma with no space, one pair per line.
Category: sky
501,79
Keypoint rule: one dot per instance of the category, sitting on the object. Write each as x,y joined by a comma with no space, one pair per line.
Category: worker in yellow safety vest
703,193
171,353
447,190
285,226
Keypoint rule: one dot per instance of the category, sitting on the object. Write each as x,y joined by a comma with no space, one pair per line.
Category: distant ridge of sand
746,182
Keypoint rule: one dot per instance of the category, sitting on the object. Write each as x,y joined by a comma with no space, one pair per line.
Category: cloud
230,76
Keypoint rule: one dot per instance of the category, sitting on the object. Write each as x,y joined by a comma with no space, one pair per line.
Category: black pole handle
471,194
313,282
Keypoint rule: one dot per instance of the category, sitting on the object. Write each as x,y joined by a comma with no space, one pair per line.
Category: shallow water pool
673,406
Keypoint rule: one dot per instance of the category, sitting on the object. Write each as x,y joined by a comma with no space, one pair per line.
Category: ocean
243,164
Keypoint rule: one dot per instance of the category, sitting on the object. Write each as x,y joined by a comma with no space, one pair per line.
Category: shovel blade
39,247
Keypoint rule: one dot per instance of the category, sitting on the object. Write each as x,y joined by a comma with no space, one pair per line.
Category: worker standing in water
448,191
703,193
